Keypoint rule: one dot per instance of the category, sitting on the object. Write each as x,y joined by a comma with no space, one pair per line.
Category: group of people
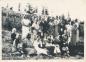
46,35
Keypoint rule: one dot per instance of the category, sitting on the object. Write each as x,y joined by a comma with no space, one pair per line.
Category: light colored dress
77,32
73,37
69,31
25,27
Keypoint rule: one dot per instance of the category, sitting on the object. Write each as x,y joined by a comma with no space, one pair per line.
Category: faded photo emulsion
42,29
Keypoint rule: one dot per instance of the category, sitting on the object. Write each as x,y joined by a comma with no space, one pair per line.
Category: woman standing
56,22
25,26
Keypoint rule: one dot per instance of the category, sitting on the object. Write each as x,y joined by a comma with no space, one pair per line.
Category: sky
76,8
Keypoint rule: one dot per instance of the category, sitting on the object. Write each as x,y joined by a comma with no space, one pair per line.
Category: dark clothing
59,29
26,44
63,48
45,26
50,50
13,36
63,44
18,40
41,25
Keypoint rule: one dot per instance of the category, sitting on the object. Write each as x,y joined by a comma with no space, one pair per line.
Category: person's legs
61,51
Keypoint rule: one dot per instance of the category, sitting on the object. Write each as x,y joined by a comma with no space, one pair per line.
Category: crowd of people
46,35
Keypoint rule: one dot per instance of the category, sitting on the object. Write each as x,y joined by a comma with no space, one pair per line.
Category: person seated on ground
41,44
41,41
65,49
17,46
16,42
13,35
56,50
40,47
19,43
50,38
56,44
56,40
49,46
50,49
28,47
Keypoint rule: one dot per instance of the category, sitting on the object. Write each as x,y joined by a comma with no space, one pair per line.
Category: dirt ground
6,51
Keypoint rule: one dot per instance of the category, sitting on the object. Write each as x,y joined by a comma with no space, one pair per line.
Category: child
65,49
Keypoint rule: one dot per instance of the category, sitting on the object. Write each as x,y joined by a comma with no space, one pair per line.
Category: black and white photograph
42,29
